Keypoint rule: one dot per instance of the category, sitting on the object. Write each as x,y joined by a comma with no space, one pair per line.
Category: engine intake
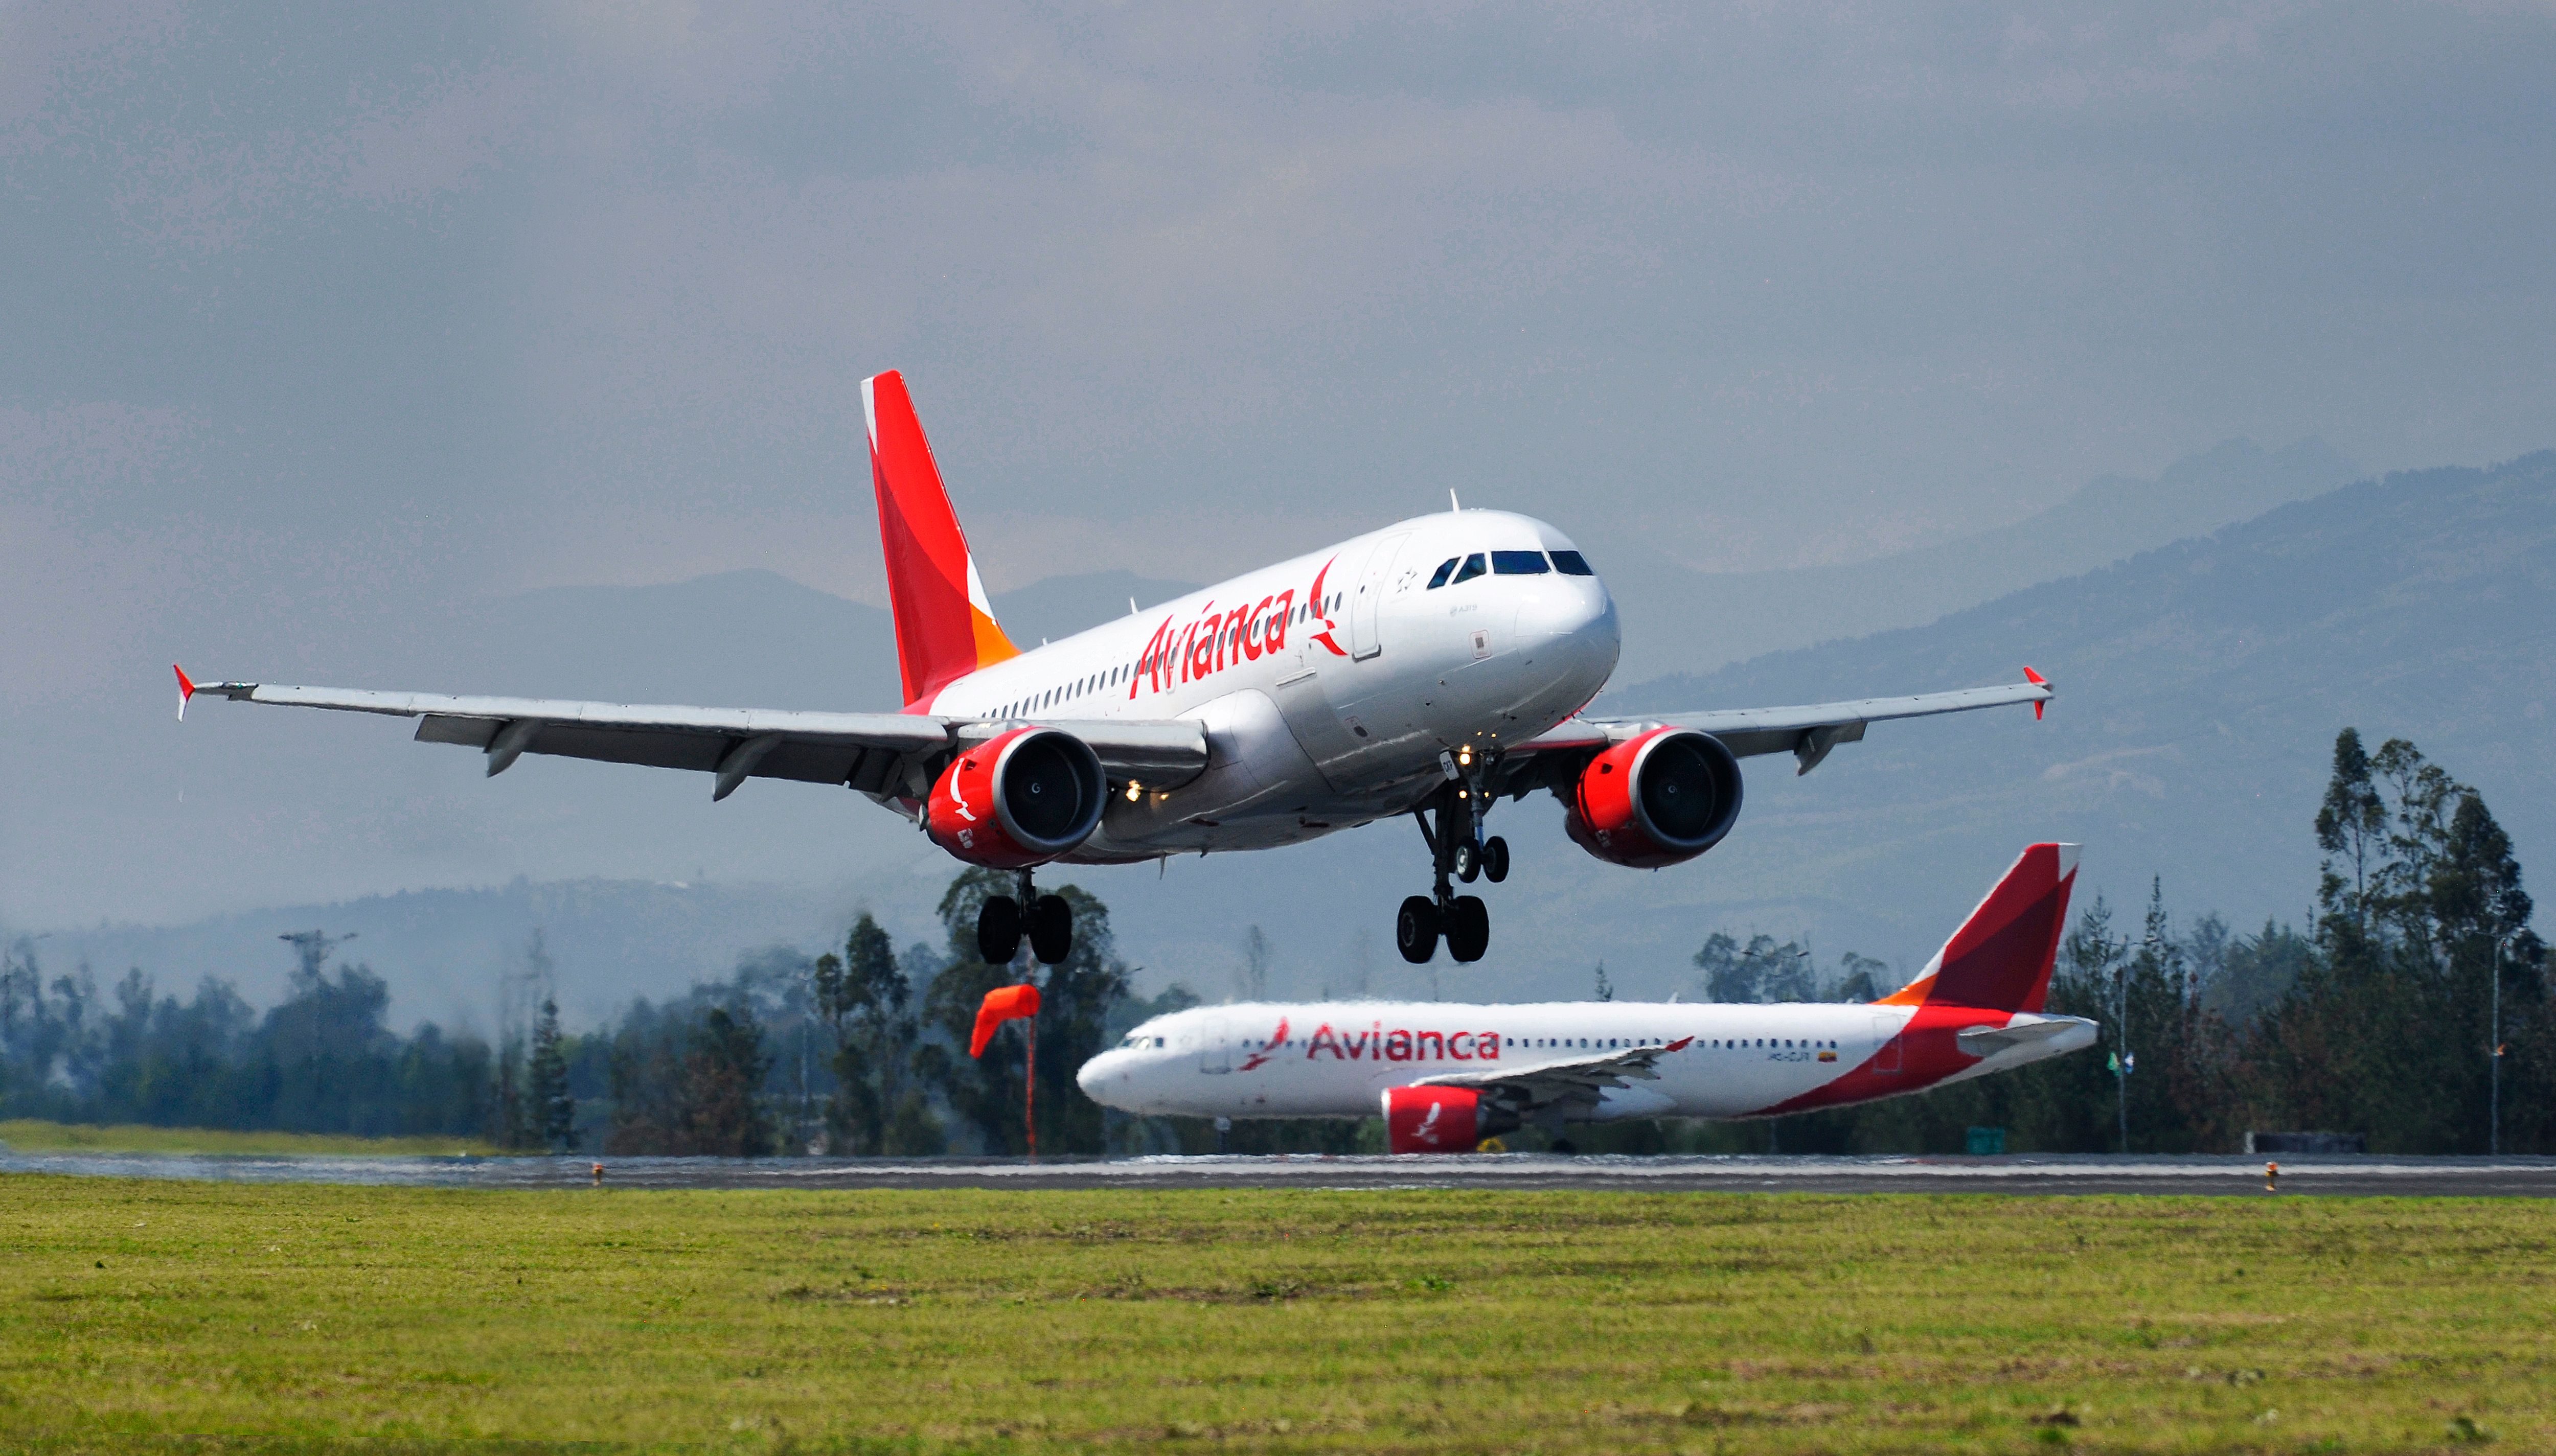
1661,798
1018,799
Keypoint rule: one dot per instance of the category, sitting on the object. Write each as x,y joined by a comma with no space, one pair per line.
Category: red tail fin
945,628
2001,958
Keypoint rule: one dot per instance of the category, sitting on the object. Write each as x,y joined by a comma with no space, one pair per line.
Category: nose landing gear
1457,852
1000,922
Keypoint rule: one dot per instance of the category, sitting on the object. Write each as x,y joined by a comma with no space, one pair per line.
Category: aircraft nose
1578,613
1103,1076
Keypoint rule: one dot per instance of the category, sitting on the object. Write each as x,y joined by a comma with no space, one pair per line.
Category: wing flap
874,753
1161,753
1573,1081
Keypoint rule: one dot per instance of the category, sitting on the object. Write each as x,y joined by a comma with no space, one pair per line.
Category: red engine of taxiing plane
1658,799
1429,1119
1018,799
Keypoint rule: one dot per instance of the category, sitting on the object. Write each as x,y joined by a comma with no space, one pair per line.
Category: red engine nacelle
1665,796
1018,799
1441,1118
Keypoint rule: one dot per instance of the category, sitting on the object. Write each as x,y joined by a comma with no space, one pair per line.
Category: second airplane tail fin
2001,958
944,627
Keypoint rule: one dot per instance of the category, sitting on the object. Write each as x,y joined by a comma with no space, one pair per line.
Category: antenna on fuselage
1453,504
1131,606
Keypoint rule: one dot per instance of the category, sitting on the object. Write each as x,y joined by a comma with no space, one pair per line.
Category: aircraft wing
886,755
1807,732
1576,1082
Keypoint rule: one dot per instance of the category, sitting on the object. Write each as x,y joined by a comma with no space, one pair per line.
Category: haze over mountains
1734,615
2199,688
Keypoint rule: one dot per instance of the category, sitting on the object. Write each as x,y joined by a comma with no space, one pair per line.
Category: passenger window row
1118,676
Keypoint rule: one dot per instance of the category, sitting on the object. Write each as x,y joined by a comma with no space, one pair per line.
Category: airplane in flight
1447,1076
1429,669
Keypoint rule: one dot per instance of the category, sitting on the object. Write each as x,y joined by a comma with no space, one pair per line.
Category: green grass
301,1316
26,1135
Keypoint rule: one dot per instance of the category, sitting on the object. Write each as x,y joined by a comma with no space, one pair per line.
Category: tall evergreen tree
880,1106
553,1110
722,1112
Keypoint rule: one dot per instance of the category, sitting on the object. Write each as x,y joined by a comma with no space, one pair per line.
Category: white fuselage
1337,1058
1328,685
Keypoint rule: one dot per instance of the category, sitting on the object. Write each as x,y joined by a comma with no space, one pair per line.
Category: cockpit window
1446,568
1519,563
1473,569
1572,563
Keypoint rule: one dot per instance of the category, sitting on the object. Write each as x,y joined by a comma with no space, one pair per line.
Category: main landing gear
1456,851
1000,924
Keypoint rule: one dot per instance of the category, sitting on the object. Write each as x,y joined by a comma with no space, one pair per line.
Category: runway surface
2533,1177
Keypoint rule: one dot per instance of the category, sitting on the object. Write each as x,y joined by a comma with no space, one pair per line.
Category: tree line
2390,1014
2377,1018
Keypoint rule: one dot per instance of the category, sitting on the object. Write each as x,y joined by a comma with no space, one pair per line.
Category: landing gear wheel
1051,929
1415,930
998,930
1496,858
1565,1146
1467,862
1468,929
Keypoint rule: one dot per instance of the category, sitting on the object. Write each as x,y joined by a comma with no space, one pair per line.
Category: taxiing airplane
1449,1077
1429,668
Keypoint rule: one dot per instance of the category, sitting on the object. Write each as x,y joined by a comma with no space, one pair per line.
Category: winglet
2037,680
185,690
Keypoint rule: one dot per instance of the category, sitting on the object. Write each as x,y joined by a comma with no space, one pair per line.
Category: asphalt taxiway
2018,1175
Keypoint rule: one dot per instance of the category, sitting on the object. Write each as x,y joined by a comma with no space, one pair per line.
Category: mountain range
2201,685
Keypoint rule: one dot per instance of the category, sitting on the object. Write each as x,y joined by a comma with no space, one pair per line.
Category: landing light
1133,789
1464,754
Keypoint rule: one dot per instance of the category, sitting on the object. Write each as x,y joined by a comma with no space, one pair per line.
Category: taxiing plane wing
885,755
1807,732
1576,1083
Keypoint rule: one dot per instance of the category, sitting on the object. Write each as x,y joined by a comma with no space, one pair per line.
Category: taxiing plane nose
1104,1079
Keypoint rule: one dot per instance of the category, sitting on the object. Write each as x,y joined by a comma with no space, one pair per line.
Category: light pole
2493,1045
2122,1063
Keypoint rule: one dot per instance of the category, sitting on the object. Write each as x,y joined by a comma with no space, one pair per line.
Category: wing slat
1807,731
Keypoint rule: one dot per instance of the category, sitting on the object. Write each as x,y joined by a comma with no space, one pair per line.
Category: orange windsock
1003,1004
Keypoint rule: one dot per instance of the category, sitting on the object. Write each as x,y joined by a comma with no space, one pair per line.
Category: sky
319,316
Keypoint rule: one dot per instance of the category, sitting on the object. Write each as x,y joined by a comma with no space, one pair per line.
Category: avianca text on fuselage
1374,1043
1215,639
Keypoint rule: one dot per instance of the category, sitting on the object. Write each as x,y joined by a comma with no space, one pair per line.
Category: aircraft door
1216,1048
1305,700
1886,1032
1368,597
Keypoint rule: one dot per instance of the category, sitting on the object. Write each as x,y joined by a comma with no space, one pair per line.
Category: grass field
26,1136
299,1316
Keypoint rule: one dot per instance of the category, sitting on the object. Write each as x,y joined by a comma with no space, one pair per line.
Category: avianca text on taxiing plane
1447,1076
1432,667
